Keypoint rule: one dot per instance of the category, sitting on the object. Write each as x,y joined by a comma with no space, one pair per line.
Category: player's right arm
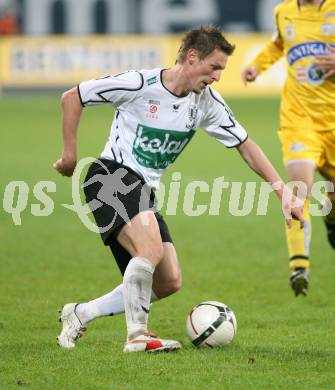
71,112
269,55
116,90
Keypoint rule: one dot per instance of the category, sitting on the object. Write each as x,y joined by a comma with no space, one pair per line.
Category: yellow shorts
317,147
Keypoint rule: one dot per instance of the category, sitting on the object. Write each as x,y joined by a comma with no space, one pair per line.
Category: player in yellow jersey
305,35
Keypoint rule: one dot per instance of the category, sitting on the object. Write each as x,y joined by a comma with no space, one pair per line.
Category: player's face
205,71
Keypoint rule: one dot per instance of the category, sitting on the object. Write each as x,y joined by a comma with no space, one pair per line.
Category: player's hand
249,74
65,166
293,208
326,63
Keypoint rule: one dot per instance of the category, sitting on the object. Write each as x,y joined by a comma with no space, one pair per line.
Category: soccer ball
211,324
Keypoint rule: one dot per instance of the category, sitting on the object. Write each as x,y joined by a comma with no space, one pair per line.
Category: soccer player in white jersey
157,113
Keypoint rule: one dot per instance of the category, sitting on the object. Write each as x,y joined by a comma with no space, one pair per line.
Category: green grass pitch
282,342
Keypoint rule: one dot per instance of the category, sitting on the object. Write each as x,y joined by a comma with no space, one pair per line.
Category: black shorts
116,194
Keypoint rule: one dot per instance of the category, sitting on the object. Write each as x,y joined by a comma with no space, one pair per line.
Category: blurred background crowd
131,16
53,44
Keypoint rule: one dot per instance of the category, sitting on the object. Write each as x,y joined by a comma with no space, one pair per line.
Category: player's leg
143,242
76,317
167,276
302,153
111,303
298,240
327,170
329,219
166,281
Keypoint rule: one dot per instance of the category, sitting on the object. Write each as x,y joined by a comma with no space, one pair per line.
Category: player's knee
153,252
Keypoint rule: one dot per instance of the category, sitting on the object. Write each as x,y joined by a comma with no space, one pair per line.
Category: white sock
107,305
137,285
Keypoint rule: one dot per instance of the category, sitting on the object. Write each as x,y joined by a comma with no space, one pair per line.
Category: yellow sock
298,241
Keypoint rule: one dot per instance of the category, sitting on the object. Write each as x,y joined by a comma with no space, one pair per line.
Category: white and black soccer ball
211,324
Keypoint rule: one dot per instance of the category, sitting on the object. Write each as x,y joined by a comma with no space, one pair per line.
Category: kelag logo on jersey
157,148
307,49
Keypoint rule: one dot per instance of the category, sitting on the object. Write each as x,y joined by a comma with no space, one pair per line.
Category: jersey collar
161,78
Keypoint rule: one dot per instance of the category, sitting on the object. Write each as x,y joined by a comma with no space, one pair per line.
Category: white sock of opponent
137,285
107,305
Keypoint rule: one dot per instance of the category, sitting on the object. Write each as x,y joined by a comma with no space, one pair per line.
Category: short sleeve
115,90
219,121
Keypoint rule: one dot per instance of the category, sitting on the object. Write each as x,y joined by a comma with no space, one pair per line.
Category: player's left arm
326,64
220,123
258,162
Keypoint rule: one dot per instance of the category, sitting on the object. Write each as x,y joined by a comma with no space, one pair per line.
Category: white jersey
152,126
